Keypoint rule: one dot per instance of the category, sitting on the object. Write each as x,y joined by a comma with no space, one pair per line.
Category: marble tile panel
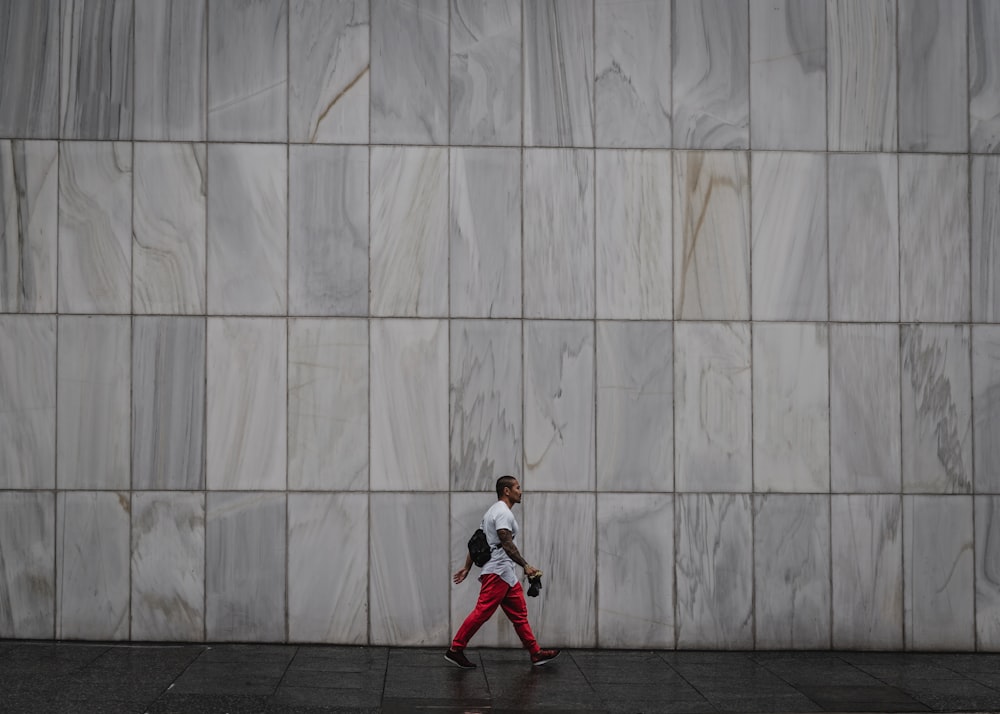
97,63
409,405
329,603
789,280
934,238
633,77
485,72
28,395
246,404
558,220
938,571
791,407
711,236
987,519
328,405
92,565
408,574
985,238
714,571
635,558
245,552
936,408
864,237
29,202
984,76
712,407
95,227
168,234
558,73
485,232
865,450
27,550
409,231
711,90
933,76
867,550
409,72
171,71
248,70
247,229
328,71
559,406
861,75
635,406
634,216
328,230
168,403
168,566
92,391
29,69
986,407
485,391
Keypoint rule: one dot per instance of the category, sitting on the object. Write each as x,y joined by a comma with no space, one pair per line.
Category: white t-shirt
499,516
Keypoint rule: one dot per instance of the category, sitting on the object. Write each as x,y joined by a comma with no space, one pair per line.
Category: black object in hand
535,586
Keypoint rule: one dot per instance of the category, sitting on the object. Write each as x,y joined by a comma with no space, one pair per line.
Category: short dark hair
504,482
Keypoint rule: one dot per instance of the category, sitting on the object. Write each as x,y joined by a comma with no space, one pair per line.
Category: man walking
500,586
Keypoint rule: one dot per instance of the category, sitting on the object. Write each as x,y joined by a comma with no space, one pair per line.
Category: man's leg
516,609
490,595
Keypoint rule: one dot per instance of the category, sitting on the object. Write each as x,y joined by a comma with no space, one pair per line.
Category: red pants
493,593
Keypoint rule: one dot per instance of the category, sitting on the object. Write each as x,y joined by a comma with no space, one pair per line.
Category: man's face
515,492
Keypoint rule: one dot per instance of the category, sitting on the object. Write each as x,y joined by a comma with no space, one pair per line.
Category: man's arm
462,572
507,542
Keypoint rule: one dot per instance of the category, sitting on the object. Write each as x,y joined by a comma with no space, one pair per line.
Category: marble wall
286,284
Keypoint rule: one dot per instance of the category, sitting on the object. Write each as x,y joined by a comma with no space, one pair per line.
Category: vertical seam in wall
288,310
56,530
593,312
371,94
750,316
204,405
976,643
448,155
131,371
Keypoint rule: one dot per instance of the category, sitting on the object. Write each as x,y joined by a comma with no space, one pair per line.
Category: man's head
508,489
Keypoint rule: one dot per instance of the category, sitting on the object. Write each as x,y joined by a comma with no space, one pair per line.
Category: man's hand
531,572
460,575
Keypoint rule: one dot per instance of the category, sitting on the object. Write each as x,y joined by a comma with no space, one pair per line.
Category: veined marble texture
409,405
168,566
789,239
864,237
170,70
245,551
168,235
93,383
95,227
485,232
409,231
168,403
635,559
409,76
328,71
936,408
92,565
867,549
635,411
985,239
29,202
246,397
712,405
328,404
328,603
97,65
328,230
986,407
788,74
861,75
792,571
29,69
558,406
27,579
247,229
409,575
28,395
865,450
558,220
933,76
711,89
486,366
558,73
634,215
714,571
938,568
934,237
633,73
247,70
485,71
711,235
987,518
984,76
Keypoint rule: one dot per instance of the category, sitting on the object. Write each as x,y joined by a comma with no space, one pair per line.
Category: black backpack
479,548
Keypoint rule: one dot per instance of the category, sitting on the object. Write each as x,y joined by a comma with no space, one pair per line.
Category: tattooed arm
507,542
